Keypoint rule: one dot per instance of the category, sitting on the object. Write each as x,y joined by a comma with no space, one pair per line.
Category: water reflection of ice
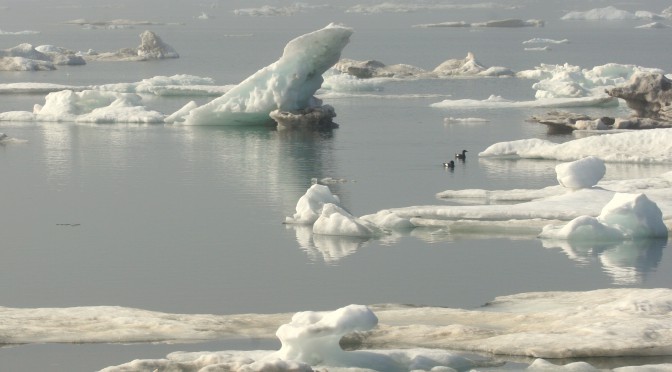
326,248
626,262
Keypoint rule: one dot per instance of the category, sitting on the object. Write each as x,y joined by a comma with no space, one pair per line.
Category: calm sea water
189,219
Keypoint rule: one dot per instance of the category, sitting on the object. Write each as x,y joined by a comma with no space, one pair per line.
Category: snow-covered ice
606,322
582,173
626,216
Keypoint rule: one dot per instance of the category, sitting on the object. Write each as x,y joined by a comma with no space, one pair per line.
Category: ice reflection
326,248
626,262
274,165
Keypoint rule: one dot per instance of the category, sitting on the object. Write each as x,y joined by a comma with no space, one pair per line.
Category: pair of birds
459,156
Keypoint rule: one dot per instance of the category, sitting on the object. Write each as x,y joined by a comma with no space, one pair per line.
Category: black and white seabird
461,156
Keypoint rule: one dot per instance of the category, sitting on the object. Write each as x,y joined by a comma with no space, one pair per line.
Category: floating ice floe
626,216
24,32
494,23
580,193
582,173
608,13
600,323
632,147
498,102
88,106
467,66
538,40
288,85
111,24
649,95
273,11
389,7
151,47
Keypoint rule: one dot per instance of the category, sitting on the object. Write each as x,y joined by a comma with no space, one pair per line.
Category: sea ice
334,220
606,322
607,13
151,47
582,173
649,95
309,207
494,23
467,66
652,146
626,216
289,84
88,106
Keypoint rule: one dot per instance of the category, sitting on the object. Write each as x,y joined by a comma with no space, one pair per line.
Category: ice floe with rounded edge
626,216
582,173
309,207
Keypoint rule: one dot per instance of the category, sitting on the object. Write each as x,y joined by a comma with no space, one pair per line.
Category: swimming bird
461,156
450,164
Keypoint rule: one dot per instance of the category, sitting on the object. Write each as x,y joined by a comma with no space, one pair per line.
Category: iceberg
287,85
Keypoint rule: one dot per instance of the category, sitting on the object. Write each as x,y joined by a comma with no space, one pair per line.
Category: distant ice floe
494,23
26,57
389,7
562,86
467,66
609,13
538,40
654,25
600,323
273,11
287,85
24,32
451,120
111,24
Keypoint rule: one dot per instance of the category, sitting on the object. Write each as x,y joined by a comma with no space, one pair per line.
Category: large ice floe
599,323
622,210
286,86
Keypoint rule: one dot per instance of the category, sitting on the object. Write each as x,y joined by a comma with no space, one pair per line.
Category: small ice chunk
581,174
309,206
